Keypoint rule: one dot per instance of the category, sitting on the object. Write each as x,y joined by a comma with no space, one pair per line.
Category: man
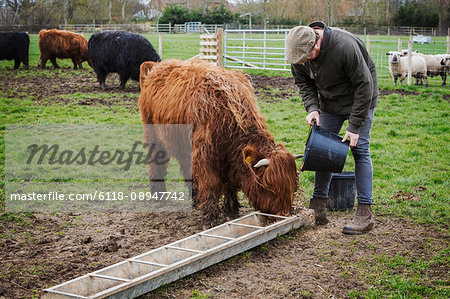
337,81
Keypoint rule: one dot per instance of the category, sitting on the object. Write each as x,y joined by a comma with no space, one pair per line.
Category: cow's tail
89,61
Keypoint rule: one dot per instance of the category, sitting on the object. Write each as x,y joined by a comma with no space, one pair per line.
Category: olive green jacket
342,80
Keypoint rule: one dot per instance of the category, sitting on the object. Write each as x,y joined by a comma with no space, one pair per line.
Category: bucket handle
311,129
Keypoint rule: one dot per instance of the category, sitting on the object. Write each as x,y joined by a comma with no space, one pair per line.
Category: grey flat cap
299,43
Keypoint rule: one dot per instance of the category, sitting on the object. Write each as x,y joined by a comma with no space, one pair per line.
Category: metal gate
256,49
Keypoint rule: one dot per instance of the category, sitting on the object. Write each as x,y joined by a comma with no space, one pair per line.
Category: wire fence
142,28
401,30
212,28
197,27
265,49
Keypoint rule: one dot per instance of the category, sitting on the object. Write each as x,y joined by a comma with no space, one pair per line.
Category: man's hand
313,116
352,136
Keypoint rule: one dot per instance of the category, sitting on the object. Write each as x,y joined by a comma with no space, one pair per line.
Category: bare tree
124,3
363,8
278,8
331,11
110,10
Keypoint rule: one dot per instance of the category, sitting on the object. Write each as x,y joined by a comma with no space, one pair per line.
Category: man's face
314,53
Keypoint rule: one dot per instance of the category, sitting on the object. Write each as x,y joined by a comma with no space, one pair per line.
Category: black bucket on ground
342,192
324,151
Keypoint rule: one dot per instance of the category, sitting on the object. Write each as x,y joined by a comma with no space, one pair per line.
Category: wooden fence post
160,46
399,44
219,47
409,61
448,40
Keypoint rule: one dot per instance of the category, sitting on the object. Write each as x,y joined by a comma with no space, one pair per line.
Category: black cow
119,52
15,45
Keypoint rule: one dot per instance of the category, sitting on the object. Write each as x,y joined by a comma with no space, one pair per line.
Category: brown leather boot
319,205
362,223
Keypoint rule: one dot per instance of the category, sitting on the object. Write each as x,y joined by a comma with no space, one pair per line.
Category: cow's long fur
229,135
15,45
63,44
119,52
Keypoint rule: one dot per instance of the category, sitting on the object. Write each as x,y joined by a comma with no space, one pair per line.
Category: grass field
186,46
410,150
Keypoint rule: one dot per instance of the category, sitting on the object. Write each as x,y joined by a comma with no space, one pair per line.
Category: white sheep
434,66
398,67
445,62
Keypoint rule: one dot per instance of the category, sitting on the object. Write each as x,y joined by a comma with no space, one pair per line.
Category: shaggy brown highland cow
63,44
232,148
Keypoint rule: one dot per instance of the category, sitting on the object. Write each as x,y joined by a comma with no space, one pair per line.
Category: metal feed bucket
342,192
324,151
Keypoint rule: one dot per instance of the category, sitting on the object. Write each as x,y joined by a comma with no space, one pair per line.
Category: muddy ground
45,250
39,251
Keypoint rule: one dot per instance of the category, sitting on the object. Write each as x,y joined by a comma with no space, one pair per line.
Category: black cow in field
15,45
119,52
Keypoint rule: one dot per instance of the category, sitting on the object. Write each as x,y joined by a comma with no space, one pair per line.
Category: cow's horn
262,162
298,156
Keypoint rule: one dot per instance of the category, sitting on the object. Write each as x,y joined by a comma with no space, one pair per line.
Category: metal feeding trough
148,271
